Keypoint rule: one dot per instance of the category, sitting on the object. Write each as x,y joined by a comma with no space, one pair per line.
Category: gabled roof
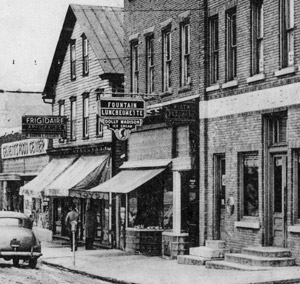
103,27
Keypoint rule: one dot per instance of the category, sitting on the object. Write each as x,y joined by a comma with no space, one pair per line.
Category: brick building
249,125
164,51
87,65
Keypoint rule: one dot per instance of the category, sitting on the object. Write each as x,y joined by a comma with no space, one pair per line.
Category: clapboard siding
67,88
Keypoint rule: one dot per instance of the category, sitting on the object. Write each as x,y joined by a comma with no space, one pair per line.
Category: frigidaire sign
44,126
22,148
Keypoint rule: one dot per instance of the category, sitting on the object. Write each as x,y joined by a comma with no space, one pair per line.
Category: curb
108,279
287,281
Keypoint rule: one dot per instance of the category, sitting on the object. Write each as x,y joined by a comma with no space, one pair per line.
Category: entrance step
254,260
208,252
267,251
215,244
225,265
214,250
192,260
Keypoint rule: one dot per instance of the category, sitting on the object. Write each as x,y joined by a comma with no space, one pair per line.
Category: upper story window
276,128
99,126
135,67
85,110
73,117
150,63
287,33
61,107
185,53
61,111
85,56
73,59
167,59
257,37
214,49
231,49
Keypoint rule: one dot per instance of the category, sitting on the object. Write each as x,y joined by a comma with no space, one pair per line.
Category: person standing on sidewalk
72,216
91,224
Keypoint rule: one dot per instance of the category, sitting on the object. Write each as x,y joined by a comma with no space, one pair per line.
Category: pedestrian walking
72,216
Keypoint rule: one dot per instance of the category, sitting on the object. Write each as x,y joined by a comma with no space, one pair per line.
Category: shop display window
146,208
250,185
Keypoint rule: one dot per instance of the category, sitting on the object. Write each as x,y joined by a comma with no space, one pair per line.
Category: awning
82,175
56,167
127,180
9,177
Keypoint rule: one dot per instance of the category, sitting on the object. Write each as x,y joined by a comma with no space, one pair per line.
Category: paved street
43,274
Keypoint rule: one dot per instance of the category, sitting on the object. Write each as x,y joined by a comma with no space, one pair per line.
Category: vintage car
17,240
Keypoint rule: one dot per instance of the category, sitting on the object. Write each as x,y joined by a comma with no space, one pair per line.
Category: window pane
277,184
250,175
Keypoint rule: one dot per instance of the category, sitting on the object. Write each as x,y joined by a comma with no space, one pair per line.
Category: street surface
43,274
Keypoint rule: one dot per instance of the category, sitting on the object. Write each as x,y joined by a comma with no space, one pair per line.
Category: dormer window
85,56
73,59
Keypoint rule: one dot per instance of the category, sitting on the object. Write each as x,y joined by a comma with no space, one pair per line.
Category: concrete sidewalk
118,267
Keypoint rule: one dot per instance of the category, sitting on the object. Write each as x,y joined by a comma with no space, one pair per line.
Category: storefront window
168,204
250,185
146,205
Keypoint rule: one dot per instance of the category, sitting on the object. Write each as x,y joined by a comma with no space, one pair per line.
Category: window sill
294,229
185,88
247,225
213,88
85,138
285,71
72,139
230,84
99,135
256,77
167,93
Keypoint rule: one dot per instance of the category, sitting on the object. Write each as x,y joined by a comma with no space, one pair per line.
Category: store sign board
23,148
180,113
122,114
44,126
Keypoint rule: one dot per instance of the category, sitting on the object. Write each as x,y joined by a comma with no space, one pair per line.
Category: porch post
110,217
176,202
4,203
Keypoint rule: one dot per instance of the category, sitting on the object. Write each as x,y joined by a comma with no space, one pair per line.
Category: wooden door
279,200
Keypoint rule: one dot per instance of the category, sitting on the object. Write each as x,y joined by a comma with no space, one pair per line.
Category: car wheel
32,262
15,261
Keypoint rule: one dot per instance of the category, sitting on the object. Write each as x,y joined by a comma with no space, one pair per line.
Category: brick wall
141,15
242,132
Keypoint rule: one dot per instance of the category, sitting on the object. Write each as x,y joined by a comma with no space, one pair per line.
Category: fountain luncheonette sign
122,114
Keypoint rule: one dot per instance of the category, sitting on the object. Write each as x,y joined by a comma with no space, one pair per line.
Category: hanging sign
40,126
180,113
122,114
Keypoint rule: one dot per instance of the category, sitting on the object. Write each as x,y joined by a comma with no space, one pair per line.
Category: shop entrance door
220,191
279,199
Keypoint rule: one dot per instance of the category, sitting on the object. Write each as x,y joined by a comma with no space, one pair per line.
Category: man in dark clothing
72,216
90,227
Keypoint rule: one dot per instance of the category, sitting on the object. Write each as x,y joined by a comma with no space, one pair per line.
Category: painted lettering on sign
29,147
122,114
44,126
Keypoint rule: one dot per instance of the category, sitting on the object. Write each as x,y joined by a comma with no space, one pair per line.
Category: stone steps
225,265
254,258
214,250
267,251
